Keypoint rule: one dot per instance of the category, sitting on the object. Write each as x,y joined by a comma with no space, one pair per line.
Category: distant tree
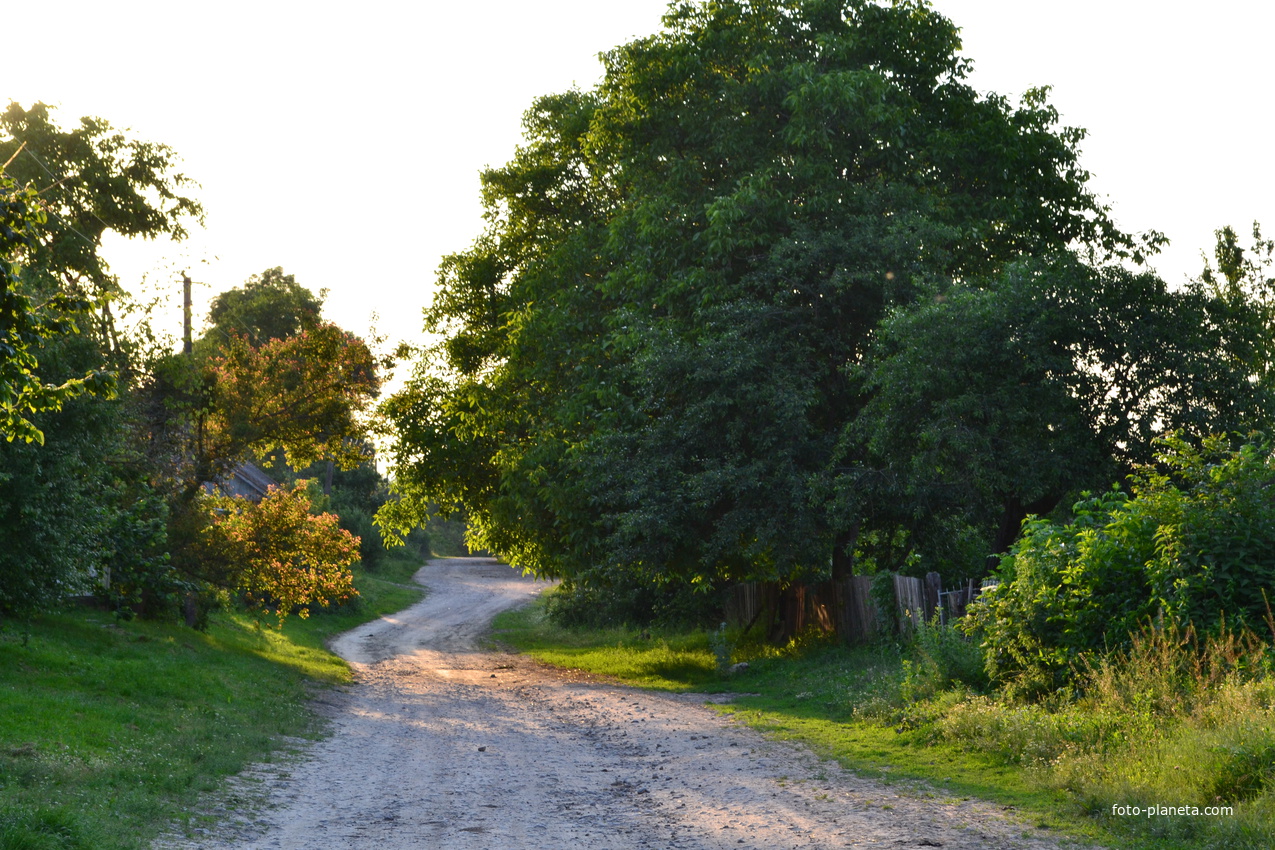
270,305
1244,279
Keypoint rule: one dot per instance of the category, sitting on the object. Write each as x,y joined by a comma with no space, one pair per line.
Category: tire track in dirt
444,746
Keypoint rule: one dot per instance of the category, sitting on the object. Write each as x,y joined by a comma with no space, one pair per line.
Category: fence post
933,595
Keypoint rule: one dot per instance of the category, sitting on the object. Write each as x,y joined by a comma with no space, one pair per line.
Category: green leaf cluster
76,505
989,403
1194,544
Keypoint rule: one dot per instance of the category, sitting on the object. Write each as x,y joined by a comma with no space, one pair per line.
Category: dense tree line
784,297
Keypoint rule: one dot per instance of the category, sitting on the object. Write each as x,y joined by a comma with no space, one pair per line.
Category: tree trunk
842,571
1012,516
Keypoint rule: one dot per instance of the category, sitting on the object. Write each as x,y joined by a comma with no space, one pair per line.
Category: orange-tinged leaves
289,558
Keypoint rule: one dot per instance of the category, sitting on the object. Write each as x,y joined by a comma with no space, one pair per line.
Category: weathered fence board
846,606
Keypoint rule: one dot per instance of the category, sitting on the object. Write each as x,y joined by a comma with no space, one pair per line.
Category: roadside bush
1193,545
942,657
56,503
140,579
277,554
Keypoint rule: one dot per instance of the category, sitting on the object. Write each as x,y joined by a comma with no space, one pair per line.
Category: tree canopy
270,305
647,358
999,402
77,494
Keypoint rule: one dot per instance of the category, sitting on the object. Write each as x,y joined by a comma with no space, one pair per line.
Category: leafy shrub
943,657
281,556
1194,544
578,604
140,578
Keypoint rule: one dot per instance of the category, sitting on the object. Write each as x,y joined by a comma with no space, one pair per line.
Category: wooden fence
784,612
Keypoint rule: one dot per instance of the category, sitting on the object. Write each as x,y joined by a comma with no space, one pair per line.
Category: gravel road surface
442,745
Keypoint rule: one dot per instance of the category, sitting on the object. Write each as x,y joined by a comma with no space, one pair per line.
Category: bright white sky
343,141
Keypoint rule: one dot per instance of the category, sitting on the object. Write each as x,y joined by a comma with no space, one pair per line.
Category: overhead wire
57,183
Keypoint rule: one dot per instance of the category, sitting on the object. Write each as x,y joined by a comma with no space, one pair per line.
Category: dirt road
443,746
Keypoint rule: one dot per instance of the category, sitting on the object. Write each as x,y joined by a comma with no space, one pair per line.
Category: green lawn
110,730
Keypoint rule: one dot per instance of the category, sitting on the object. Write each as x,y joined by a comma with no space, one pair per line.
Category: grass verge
109,731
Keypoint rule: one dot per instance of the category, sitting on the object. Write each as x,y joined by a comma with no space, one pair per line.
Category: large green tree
79,504
644,358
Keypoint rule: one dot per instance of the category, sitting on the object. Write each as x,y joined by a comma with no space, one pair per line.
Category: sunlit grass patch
109,731
651,659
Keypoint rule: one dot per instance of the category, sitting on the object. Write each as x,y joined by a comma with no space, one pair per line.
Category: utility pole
186,343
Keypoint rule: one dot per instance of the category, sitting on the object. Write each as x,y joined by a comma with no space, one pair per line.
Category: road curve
443,745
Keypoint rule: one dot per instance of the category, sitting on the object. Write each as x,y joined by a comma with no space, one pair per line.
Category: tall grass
1174,721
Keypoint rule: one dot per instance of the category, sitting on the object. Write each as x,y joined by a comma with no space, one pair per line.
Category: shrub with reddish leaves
284,557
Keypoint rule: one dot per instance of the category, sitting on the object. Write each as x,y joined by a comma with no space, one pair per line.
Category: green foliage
1247,287
269,306
446,536
1193,545
989,404
24,325
59,499
138,574
303,395
634,603
1066,590
78,503
943,658
98,180
277,554
1215,544
886,602
642,367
